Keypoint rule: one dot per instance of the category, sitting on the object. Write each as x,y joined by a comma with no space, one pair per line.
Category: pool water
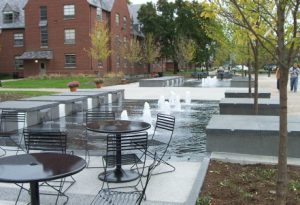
189,138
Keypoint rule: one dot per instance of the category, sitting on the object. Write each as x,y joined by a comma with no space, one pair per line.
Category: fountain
166,108
124,115
161,102
177,104
187,97
62,110
89,103
172,99
209,81
147,117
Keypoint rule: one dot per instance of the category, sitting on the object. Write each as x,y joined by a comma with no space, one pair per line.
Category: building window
117,19
8,17
44,36
18,39
69,36
99,13
124,23
43,13
69,11
118,61
19,64
70,60
125,39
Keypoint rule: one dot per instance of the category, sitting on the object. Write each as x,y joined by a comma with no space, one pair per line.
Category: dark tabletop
118,126
39,167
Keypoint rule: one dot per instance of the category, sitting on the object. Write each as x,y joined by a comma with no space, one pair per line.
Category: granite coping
102,90
57,98
27,106
251,123
86,94
162,78
267,101
246,91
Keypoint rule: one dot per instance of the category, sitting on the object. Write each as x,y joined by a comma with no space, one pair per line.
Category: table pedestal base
118,176
34,193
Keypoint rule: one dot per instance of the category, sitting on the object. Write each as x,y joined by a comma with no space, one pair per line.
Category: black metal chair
11,124
132,146
118,196
95,116
37,140
164,129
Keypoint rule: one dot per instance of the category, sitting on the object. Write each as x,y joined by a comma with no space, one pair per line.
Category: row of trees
265,29
178,28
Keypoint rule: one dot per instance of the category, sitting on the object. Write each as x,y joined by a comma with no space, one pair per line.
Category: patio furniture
118,196
118,128
11,122
38,167
164,129
130,144
95,116
48,141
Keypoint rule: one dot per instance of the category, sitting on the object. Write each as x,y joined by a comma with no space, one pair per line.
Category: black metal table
118,127
38,167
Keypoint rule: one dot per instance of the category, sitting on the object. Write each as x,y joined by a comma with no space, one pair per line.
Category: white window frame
69,11
117,19
18,39
70,64
70,36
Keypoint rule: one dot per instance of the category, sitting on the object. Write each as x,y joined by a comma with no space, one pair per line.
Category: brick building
52,36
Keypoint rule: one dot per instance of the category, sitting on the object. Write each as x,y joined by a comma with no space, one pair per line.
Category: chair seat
110,197
126,159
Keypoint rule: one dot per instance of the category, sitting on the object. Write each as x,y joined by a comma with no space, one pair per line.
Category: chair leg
161,161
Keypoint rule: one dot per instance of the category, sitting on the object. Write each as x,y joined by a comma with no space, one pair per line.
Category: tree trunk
256,68
175,67
149,67
281,188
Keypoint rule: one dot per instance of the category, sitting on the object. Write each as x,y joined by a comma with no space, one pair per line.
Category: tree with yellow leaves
99,49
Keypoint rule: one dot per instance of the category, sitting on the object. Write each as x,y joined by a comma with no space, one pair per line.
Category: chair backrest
45,140
94,116
12,116
131,141
165,122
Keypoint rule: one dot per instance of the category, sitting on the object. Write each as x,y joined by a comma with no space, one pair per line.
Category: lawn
15,95
235,184
58,82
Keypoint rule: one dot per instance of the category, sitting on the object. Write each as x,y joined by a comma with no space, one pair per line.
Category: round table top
39,167
118,126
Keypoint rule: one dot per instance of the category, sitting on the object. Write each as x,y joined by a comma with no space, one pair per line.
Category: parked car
239,68
272,67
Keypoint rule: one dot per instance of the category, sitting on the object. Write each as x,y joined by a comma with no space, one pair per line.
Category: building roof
96,3
30,55
107,4
15,6
133,12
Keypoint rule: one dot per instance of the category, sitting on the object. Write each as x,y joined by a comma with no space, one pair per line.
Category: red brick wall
85,15
8,51
120,7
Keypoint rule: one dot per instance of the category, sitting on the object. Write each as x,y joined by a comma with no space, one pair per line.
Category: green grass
53,82
27,93
60,81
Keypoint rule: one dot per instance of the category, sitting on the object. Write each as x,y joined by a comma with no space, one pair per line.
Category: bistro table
118,127
38,167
